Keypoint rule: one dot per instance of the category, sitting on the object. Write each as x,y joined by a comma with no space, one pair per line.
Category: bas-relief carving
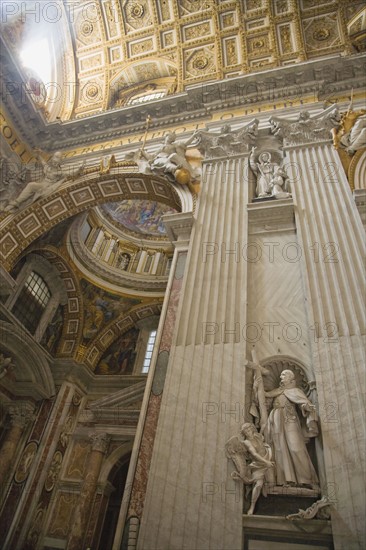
276,457
53,471
26,462
306,129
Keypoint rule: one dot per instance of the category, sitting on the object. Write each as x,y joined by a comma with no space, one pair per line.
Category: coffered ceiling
111,47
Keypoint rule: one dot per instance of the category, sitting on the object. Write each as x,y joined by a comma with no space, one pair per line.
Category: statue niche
272,453
271,179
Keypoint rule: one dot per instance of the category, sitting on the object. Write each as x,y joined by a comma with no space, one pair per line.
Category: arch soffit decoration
21,229
123,450
32,373
74,311
158,70
117,328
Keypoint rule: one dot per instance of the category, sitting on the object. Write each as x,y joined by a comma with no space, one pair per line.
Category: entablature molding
198,102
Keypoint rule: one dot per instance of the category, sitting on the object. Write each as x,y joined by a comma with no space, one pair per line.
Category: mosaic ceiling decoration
141,217
124,48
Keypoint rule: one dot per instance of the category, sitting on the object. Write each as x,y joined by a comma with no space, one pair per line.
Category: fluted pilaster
332,239
191,501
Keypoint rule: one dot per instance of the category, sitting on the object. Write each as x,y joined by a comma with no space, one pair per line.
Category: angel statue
253,460
355,139
280,184
171,156
52,177
170,159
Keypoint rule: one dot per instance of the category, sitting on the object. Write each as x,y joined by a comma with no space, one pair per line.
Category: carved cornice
178,226
196,103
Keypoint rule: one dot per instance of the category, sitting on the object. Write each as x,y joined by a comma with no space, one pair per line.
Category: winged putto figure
252,459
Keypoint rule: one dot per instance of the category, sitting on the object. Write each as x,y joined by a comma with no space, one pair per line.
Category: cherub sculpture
253,460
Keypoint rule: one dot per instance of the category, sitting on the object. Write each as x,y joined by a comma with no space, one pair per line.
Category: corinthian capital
227,142
306,129
100,442
20,414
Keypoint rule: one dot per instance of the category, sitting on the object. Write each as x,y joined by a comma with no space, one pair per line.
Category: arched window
38,292
144,98
32,302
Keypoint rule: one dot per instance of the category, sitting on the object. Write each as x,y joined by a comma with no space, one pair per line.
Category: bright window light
145,98
36,56
149,350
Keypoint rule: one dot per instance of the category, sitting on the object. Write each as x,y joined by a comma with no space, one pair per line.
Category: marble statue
355,139
124,260
264,170
52,177
12,179
171,156
279,184
287,437
253,460
170,159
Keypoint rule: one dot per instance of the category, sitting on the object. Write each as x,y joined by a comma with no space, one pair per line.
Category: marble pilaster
191,501
331,236
99,447
20,415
